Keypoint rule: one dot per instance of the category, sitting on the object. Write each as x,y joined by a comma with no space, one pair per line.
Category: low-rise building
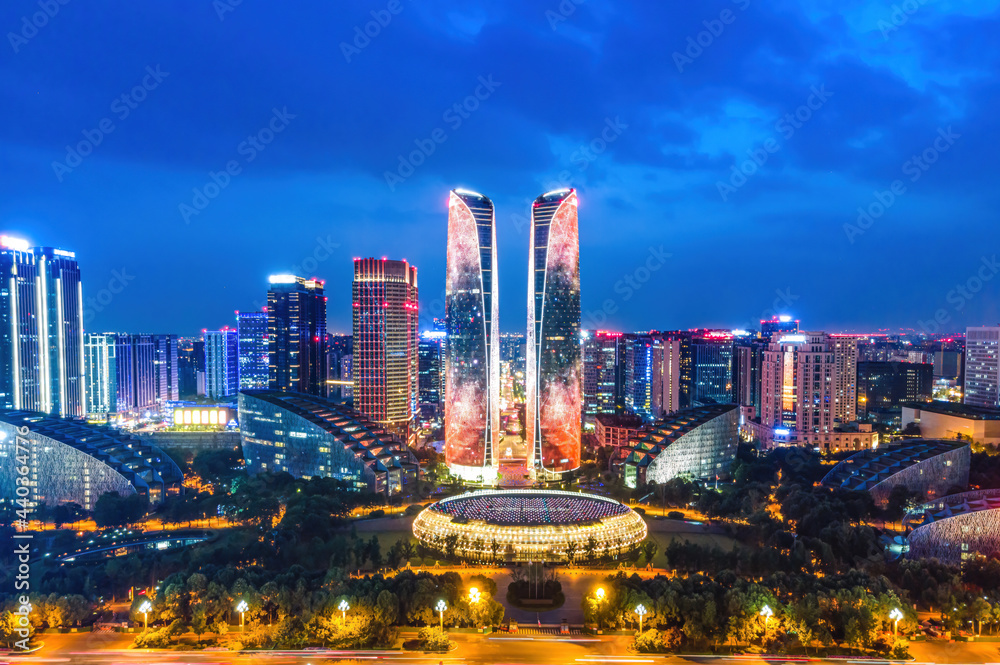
309,436
949,420
930,467
957,527
848,437
72,461
615,429
699,442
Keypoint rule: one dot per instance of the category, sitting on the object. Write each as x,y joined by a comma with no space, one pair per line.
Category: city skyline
648,164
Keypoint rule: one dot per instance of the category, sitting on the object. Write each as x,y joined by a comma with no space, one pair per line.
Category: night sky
648,108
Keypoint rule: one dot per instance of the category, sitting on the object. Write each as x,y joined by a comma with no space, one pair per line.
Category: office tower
166,365
41,317
101,372
948,365
845,358
347,374
386,338
513,350
711,367
251,333
600,372
747,359
135,357
667,352
296,335
797,387
431,369
883,388
190,361
637,383
778,326
472,390
338,347
554,362
982,366
221,363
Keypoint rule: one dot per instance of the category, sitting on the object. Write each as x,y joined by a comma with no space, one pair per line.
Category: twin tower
474,446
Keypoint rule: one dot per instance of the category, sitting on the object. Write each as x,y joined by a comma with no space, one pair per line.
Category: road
523,649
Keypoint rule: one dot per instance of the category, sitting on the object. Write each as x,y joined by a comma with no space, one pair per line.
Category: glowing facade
472,414
530,525
554,364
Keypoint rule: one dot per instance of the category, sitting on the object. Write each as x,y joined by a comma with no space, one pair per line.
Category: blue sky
648,108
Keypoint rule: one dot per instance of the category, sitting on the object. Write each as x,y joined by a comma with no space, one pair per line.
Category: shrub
413,509
650,642
675,515
433,638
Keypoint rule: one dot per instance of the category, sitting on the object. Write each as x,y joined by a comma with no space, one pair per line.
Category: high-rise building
777,326
251,332
711,367
554,362
845,358
667,354
190,362
167,370
982,366
338,349
41,318
638,374
296,335
101,373
883,388
472,391
431,369
600,372
221,363
797,384
135,363
386,340
747,359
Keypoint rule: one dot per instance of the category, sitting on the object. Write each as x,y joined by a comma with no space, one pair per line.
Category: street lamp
242,607
641,611
895,615
343,607
145,608
441,607
767,613
473,595
599,595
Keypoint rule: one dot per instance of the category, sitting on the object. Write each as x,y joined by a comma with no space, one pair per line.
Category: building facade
711,367
309,436
698,443
957,527
221,363
71,461
386,342
600,372
472,409
883,388
431,382
251,332
165,361
554,362
102,373
41,319
947,420
135,362
296,335
797,386
982,367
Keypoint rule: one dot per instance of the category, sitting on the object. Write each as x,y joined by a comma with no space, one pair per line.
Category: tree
649,550
590,548
571,548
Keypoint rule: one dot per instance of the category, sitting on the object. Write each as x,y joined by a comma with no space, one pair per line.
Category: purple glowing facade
472,415
554,362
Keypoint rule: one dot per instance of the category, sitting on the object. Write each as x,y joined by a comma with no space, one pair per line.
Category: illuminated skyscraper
41,330
982,366
251,330
386,340
555,365
472,413
296,335
221,363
